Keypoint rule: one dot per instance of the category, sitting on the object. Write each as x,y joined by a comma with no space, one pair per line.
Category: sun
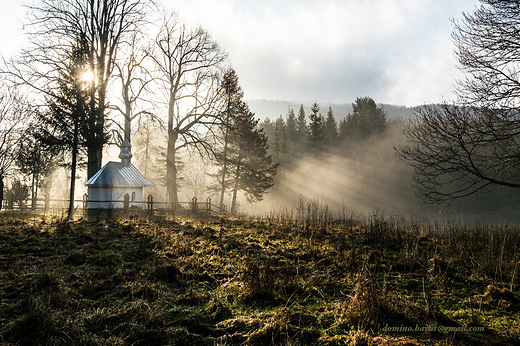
87,76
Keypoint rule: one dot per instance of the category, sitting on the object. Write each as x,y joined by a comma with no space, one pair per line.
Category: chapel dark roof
117,174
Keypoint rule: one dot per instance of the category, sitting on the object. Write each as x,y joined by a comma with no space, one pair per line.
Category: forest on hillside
353,166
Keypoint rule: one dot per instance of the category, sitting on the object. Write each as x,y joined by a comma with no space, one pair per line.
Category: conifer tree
316,141
18,193
64,126
269,129
292,126
250,168
302,125
280,135
344,131
365,121
331,129
233,95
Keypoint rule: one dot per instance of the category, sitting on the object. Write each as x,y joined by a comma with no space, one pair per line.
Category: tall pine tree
302,126
281,141
316,141
331,129
66,124
292,126
250,168
233,95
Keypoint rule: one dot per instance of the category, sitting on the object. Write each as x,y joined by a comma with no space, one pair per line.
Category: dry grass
281,281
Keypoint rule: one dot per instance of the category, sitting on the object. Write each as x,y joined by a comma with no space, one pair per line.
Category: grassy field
278,281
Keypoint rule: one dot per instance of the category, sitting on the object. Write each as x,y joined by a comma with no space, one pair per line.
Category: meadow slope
212,281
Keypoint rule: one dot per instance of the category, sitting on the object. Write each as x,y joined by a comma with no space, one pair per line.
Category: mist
371,179
356,179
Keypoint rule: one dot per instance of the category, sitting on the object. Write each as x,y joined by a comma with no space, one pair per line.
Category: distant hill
273,109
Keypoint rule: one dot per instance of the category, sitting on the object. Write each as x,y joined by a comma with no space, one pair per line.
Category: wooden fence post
126,203
150,203
194,204
208,205
85,199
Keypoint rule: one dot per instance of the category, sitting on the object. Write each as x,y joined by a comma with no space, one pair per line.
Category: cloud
396,51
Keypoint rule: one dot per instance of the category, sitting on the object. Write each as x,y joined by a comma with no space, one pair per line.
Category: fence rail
149,205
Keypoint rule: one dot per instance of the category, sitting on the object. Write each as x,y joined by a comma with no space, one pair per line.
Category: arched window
133,196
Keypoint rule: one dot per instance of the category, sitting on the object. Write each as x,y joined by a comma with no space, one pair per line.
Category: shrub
18,193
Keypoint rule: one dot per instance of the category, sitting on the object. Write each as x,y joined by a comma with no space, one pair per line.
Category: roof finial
126,154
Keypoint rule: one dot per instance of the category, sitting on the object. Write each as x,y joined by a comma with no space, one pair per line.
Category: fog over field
372,179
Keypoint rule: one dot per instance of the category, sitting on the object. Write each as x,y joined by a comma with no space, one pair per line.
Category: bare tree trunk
33,193
171,170
48,192
1,190
36,191
128,120
146,158
73,171
235,189
224,168
100,128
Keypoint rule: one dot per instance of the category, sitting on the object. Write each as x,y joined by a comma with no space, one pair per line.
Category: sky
330,51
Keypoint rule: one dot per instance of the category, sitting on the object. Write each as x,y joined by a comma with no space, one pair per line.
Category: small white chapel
108,187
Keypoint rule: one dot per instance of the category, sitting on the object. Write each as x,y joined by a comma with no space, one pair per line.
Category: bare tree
189,65
457,151
36,160
14,125
487,47
134,78
150,151
195,175
55,26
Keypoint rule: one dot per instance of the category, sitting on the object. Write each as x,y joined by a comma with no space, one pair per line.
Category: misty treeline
349,166
342,165
299,135
95,73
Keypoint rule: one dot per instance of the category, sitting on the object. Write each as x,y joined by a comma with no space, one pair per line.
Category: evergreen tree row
294,136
